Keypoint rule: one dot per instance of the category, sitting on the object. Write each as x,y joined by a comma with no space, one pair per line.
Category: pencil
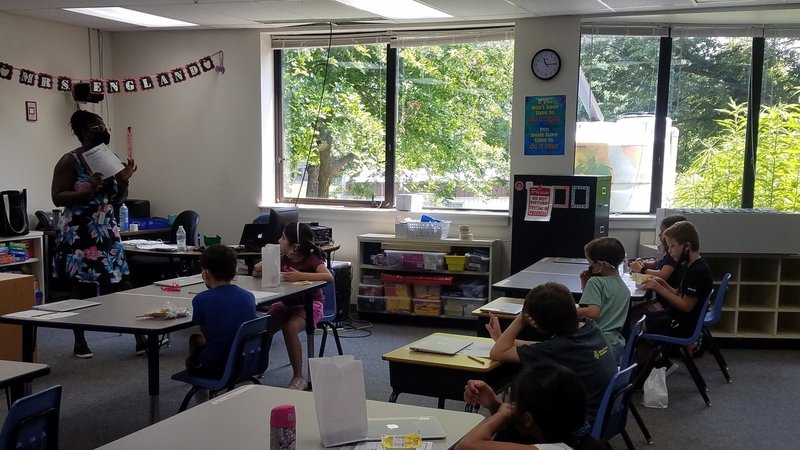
476,359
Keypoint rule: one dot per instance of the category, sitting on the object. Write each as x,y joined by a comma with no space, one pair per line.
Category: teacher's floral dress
88,246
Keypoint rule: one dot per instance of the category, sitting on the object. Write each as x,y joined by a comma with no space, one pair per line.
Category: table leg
28,342
309,306
440,405
152,376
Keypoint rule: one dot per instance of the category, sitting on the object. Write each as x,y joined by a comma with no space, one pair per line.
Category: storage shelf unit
763,300
391,305
33,265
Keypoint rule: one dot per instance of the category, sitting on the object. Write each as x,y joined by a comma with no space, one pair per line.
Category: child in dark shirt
219,312
666,267
579,346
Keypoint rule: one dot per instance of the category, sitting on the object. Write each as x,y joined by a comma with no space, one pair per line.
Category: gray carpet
105,398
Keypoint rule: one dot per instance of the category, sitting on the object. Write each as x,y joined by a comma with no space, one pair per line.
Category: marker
476,359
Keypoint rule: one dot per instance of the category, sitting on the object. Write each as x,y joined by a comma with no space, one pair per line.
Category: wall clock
545,64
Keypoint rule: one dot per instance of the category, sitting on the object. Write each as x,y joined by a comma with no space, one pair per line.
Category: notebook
428,427
66,305
254,236
182,281
503,308
442,345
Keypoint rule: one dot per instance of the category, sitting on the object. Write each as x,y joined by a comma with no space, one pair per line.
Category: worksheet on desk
477,349
263,295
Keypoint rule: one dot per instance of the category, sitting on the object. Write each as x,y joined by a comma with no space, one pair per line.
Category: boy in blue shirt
219,312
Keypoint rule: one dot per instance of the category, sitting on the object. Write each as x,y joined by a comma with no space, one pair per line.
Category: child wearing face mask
675,311
605,297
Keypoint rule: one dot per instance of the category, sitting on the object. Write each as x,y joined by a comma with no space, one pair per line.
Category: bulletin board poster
545,119
540,203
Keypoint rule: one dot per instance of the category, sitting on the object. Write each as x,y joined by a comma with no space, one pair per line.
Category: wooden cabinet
763,299
34,264
445,278
16,294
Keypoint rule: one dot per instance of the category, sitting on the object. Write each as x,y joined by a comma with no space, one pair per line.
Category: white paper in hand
102,160
340,399
271,265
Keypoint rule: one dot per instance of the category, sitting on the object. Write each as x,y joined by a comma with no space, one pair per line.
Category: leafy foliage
453,129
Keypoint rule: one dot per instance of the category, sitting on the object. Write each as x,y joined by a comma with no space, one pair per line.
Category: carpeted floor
105,398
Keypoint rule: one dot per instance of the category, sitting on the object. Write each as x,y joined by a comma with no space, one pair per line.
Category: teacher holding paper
87,246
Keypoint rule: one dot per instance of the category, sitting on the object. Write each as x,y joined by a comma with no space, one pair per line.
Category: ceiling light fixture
397,9
131,16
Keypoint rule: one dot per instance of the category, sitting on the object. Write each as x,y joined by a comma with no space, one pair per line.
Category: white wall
199,144
29,150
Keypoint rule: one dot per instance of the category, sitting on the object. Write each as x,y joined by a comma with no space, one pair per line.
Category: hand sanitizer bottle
123,217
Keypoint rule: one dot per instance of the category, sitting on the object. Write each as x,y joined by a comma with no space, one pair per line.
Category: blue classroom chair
32,422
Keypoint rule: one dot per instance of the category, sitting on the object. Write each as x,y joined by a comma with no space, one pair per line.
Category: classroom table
254,284
560,270
240,419
117,313
443,376
16,377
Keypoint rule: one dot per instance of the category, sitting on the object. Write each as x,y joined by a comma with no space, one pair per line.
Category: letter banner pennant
127,85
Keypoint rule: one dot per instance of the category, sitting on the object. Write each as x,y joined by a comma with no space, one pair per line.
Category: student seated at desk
606,298
219,312
675,311
301,260
547,409
580,346
666,267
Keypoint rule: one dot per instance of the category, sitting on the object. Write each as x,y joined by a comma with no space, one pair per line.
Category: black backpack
13,213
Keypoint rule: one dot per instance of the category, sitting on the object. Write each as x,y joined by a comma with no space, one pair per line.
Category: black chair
32,422
190,221
247,361
711,318
329,311
612,416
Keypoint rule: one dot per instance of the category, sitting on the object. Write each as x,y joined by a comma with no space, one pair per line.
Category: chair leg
645,371
640,422
322,342
696,376
188,397
627,439
712,347
336,339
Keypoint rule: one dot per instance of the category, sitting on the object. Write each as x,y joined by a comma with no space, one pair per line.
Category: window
614,134
777,177
333,123
708,104
448,141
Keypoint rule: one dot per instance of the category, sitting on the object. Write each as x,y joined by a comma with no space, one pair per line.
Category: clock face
545,64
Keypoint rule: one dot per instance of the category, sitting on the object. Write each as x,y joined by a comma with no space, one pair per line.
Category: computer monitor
278,218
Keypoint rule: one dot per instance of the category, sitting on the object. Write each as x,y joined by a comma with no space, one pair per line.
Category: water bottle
123,217
282,428
180,238
37,292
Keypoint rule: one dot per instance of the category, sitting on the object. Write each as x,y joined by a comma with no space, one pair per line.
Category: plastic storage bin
371,304
398,304
415,260
461,306
372,290
474,289
477,262
392,289
422,230
425,307
455,262
428,291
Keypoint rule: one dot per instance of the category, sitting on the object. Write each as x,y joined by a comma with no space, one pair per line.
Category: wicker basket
422,230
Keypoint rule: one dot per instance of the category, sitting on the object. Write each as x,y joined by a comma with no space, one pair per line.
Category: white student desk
560,270
240,420
117,313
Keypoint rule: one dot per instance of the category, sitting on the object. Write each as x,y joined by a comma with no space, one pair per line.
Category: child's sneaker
298,384
82,351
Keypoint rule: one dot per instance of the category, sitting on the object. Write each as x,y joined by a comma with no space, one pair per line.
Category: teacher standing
87,247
